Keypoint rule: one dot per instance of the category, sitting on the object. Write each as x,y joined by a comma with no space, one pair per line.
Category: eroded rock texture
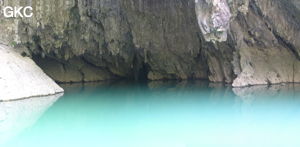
93,40
213,18
244,42
262,45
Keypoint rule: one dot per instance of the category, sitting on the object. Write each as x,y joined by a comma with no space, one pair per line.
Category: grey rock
119,39
21,78
261,46
244,42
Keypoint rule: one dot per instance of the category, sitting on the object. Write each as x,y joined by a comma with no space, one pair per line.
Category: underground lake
155,114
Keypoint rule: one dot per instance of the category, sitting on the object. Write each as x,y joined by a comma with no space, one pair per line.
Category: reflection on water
165,114
281,97
15,116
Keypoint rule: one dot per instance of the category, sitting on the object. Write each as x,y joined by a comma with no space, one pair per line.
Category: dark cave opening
79,70
140,69
142,74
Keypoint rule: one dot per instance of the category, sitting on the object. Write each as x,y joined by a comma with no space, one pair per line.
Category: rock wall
244,42
262,44
117,39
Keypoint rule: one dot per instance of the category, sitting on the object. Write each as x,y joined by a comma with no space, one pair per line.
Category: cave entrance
140,69
141,74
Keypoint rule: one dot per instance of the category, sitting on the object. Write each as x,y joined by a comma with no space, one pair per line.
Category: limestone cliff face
241,41
93,40
262,44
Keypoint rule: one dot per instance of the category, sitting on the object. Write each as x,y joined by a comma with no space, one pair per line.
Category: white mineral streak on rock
21,78
214,19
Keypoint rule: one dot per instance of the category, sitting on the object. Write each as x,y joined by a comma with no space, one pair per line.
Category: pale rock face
268,48
21,78
213,19
262,43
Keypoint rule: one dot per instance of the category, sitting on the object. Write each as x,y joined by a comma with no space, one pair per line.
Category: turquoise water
156,114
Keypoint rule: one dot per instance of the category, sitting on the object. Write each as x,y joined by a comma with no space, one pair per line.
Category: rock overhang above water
254,42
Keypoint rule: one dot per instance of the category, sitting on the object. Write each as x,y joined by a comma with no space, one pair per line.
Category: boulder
21,78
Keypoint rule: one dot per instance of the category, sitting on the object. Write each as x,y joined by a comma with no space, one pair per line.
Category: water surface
158,114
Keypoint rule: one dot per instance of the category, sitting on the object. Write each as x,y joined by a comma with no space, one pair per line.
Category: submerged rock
16,116
21,78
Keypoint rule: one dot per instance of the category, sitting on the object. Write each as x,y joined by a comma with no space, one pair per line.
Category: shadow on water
159,114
